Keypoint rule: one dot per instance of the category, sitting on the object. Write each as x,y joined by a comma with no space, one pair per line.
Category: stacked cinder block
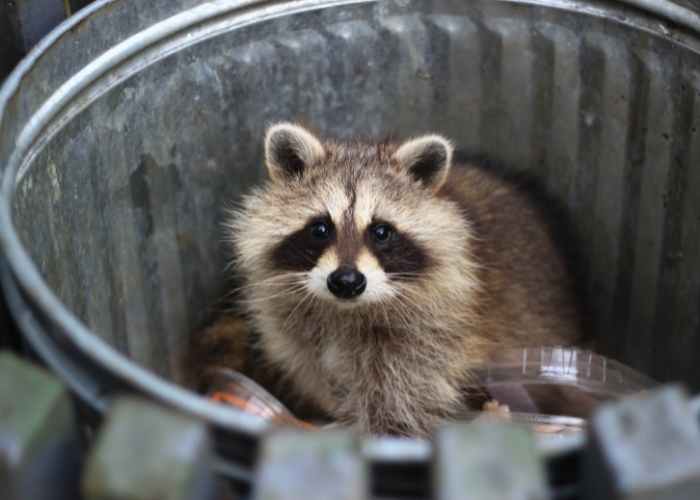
643,448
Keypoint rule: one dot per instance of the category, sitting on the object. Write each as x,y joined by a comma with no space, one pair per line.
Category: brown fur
525,279
491,278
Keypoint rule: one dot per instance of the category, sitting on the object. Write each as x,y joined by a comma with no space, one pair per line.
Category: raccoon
378,275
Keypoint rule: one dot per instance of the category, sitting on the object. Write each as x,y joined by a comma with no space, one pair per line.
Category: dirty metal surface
117,162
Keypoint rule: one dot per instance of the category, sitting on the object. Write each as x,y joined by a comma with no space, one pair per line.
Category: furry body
468,267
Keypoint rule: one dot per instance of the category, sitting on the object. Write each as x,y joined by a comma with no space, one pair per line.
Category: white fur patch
378,286
318,276
337,202
365,205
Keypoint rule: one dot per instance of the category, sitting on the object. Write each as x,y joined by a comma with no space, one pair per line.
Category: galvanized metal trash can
124,133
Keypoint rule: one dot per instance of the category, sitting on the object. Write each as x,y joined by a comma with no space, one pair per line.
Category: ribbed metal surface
120,207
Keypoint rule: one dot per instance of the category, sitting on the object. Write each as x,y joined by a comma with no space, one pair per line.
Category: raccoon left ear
427,159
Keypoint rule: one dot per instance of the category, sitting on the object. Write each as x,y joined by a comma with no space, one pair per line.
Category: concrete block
145,452
39,445
310,465
644,448
487,461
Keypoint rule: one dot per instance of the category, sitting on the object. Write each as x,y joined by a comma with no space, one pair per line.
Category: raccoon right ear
290,150
427,159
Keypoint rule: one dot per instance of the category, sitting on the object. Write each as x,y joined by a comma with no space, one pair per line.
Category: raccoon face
349,224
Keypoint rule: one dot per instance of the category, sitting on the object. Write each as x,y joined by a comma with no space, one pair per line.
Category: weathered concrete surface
312,466
487,461
645,448
38,438
146,453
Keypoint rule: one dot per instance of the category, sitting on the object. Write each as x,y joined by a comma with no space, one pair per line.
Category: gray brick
145,452
644,448
312,466
487,461
38,438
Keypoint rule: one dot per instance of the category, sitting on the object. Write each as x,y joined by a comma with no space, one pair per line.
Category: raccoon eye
381,232
320,230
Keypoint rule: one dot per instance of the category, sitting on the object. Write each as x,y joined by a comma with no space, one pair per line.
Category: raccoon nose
346,282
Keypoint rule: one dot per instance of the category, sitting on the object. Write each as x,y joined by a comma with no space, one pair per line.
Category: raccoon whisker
404,275
288,289
401,313
405,279
290,319
285,275
408,306
266,299
286,293
305,298
407,322
279,287
384,311
281,279
276,282
232,202
399,291
229,266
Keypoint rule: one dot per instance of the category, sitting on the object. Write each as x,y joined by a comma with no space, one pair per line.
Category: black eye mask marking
301,250
395,251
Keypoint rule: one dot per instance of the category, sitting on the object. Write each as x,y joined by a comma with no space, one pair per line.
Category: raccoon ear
427,159
289,150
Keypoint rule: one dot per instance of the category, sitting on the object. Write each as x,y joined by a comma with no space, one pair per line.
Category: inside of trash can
121,208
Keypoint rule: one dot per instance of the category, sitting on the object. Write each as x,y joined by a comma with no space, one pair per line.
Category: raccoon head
350,224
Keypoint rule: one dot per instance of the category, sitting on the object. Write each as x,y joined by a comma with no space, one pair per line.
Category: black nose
346,282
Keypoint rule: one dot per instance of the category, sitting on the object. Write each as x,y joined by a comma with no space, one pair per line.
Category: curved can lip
27,276
669,10
29,279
